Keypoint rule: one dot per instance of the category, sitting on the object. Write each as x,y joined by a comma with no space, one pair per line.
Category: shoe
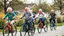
44,26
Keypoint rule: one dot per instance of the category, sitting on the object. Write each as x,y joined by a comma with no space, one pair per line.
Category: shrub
2,23
19,22
59,19
63,19
36,22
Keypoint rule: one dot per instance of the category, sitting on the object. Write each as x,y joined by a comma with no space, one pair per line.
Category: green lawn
60,24
62,35
0,30
18,28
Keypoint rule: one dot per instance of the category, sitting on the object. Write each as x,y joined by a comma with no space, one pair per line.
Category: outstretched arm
37,15
14,15
5,16
44,14
22,15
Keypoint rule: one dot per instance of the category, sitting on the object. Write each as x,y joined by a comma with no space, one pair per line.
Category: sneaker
44,26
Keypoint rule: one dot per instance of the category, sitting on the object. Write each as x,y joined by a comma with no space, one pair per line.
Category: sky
37,1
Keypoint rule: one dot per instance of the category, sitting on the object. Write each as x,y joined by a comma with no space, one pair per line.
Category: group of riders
29,16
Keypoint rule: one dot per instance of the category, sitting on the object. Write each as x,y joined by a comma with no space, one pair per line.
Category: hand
21,18
13,17
2,18
30,17
35,19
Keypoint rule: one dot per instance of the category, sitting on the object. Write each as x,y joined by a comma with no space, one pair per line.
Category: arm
22,15
44,14
55,15
5,16
14,15
37,15
31,14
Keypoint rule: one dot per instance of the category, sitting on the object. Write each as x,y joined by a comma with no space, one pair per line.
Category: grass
0,30
18,28
60,24
62,35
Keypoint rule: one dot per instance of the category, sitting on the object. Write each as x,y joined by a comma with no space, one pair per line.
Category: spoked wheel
55,27
51,27
15,31
30,33
21,30
6,32
46,27
32,29
39,29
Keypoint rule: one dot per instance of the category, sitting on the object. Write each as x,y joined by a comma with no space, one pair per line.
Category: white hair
9,8
26,8
40,9
52,10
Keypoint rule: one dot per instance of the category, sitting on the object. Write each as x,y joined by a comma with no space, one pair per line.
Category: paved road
58,32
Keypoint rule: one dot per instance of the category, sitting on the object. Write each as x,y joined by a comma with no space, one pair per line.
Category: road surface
58,32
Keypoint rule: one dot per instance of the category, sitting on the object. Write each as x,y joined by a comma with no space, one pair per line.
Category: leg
43,21
54,21
12,23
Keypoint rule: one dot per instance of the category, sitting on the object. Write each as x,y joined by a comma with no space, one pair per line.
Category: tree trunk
5,8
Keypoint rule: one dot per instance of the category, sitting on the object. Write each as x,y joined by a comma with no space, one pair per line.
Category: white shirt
41,15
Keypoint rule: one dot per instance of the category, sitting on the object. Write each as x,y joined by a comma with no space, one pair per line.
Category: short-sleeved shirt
52,15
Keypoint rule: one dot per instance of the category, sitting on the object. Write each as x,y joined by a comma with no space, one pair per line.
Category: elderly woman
11,15
41,16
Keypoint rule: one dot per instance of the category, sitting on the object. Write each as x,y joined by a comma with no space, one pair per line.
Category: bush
2,23
36,22
59,20
63,19
19,22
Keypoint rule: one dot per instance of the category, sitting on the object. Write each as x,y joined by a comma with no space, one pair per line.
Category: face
9,11
52,11
26,10
40,11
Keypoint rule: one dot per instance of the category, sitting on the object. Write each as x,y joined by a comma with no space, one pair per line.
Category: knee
12,22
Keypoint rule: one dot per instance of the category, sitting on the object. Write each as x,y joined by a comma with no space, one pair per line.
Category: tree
44,6
4,5
59,4
1,6
15,4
